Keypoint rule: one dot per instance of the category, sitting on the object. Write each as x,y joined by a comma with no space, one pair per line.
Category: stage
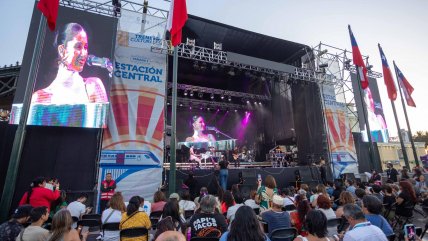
284,176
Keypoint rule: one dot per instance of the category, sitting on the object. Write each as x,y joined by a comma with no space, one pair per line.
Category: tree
421,136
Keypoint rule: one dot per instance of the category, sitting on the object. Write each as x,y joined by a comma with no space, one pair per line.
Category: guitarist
235,155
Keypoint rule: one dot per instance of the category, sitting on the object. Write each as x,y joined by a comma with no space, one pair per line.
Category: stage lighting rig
116,7
231,71
191,93
190,42
324,65
200,94
214,67
212,96
218,46
369,67
196,65
185,92
321,53
229,98
222,96
203,66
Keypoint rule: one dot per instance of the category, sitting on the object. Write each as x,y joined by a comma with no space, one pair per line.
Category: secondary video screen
74,73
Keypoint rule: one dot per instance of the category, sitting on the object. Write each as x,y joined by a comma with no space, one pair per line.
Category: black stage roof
241,41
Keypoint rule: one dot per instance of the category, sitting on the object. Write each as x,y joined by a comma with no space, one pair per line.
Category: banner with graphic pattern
340,139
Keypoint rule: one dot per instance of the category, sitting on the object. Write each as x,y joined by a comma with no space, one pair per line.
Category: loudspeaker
245,190
248,173
305,174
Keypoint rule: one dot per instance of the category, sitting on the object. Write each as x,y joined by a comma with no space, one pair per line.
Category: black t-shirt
323,171
223,164
388,200
392,174
10,230
207,225
404,209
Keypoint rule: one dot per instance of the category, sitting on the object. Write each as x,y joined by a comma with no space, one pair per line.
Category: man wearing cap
10,230
275,217
175,196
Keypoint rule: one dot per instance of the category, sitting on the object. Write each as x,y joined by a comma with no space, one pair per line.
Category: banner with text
134,135
340,139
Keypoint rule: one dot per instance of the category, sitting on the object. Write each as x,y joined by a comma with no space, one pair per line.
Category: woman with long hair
406,200
228,201
38,196
265,192
185,203
316,226
344,198
113,215
133,218
61,228
324,205
171,210
198,125
298,217
159,201
69,87
245,227
321,190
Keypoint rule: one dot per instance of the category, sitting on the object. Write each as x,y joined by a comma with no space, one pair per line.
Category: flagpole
406,159
18,142
407,119
369,135
172,149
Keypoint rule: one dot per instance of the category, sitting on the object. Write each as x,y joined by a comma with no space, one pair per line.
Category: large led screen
74,74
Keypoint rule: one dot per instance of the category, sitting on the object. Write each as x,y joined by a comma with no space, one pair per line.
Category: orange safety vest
107,195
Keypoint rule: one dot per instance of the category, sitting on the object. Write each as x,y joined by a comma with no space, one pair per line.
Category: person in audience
61,228
275,217
376,189
330,188
164,225
107,190
320,190
304,189
206,222
375,178
417,173
228,201
389,197
113,215
133,218
59,204
171,209
288,197
35,232
232,210
78,207
159,201
266,192
360,229
298,216
350,186
185,204
245,227
391,172
9,230
338,188
316,226
421,187
345,198
359,193
404,174
324,205
39,196
171,236
174,197
372,208
406,200
202,192
252,202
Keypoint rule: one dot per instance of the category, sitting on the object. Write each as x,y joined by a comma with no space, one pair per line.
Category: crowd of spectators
363,211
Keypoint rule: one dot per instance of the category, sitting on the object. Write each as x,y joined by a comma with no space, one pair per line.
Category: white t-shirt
232,210
77,209
186,205
115,217
288,201
251,203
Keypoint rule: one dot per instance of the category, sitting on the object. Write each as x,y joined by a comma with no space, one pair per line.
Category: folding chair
154,218
332,225
91,223
290,207
204,239
92,216
283,234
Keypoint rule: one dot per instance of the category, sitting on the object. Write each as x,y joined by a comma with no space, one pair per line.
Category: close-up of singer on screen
198,124
69,87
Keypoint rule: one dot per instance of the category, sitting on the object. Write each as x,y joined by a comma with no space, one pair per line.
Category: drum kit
279,157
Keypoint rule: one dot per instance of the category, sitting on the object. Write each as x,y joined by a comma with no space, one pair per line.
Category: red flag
49,8
176,19
405,86
387,76
358,61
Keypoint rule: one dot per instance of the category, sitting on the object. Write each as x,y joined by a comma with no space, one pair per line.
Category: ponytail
133,205
36,182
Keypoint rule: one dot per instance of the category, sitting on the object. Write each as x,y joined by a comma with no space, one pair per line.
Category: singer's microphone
100,62
210,128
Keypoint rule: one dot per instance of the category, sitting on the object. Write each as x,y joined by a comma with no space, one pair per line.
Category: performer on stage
193,156
236,158
69,87
223,172
323,171
107,191
198,124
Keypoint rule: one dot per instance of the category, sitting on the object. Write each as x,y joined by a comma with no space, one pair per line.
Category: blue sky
399,26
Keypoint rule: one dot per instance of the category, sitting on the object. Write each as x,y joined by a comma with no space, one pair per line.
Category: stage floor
284,177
